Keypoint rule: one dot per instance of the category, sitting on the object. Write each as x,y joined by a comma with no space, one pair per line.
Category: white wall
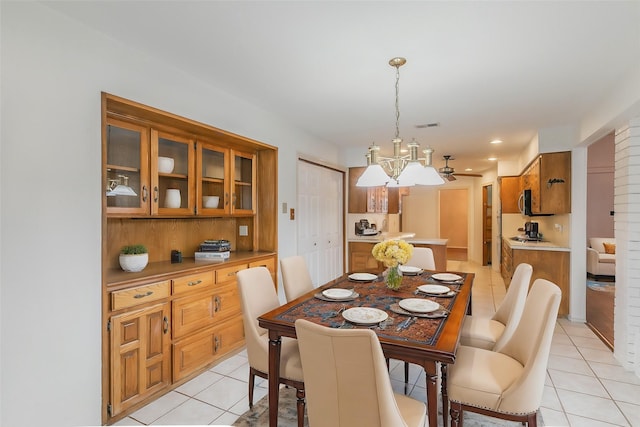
53,71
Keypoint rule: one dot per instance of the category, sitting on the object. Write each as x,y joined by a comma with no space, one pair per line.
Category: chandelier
400,170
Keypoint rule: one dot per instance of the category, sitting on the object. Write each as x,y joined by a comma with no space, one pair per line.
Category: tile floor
585,385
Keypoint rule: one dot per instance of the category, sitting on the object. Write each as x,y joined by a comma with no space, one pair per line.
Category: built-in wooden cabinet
170,322
361,259
510,191
372,199
140,355
547,264
549,179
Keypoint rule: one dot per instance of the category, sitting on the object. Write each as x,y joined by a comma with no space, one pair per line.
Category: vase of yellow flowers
392,253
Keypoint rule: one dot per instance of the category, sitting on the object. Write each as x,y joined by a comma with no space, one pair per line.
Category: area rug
287,415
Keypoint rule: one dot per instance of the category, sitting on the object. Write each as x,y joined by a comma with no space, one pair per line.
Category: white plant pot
134,263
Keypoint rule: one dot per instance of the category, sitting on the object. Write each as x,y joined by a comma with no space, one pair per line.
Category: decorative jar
172,198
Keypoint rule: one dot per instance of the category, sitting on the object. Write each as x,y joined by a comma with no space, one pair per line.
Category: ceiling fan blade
450,177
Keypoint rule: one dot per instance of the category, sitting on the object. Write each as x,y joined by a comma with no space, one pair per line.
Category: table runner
375,294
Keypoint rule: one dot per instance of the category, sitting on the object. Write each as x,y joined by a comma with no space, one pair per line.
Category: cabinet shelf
242,183
213,180
173,175
122,168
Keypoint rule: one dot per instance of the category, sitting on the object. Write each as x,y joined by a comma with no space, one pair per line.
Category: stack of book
213,250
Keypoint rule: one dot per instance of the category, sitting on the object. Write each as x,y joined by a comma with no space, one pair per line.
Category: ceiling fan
447,171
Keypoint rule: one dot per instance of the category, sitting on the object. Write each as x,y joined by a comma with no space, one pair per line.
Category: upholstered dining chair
508,383
492,332
257,296
296,279
422,258
347,383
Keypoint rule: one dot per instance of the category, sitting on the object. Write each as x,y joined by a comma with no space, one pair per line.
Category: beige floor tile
553,418
632,412
191,412
159,407
224,393
592,407
602,356
577,382
614,372
589,342
566,350
128,422
579,421
623,392
226,419
550,399
229,365
569,364
199,383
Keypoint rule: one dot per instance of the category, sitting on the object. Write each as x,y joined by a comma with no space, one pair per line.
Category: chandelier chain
397,102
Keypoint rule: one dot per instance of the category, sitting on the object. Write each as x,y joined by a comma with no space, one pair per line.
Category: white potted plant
134,258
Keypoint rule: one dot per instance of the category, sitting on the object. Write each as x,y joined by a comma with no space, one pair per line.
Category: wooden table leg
431,375
274,377
445,395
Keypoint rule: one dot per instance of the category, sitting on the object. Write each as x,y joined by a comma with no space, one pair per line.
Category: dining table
424,337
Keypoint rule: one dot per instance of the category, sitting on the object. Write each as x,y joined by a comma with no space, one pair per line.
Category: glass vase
393,278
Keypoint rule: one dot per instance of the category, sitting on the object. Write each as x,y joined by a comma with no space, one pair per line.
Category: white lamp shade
416,174
373,176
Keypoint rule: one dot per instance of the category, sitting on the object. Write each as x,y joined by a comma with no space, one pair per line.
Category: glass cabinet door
127,168
212,170
172,174
244,178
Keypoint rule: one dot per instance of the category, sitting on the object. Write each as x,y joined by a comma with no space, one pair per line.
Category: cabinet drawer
228,274
192,313
194,282
139,295
270,263
198,350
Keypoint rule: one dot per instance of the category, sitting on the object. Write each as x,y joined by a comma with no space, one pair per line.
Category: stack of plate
436,290
338,294
418,305
446,277
410,271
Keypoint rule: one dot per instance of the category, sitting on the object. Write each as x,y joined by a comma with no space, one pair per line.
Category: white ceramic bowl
210,202
165,164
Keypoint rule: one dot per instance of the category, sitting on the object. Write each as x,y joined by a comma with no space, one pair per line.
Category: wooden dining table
425,341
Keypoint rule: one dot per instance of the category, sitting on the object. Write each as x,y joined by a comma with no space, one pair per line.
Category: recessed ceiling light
493,159
496,141
468,170
429,125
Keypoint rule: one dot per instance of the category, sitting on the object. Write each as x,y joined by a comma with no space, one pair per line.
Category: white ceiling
482,69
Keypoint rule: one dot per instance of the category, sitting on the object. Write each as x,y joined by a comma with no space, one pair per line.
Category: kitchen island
361,260
549,261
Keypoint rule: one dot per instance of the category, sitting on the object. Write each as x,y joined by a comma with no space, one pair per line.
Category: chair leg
300,405
532,420
456,415
252,379
406,372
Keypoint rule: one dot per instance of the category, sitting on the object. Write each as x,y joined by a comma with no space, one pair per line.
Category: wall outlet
244,230
558,228
284,208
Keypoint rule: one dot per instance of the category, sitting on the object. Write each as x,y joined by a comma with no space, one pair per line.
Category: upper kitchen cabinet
226,180
172,174
549,179
371,199
510,191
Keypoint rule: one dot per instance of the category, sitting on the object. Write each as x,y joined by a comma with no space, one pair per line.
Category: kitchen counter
361,260
533,245
408,237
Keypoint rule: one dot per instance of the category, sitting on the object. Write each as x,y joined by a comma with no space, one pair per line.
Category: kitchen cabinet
372,199
140,357
549,179
168,323
510,190
164,332
552,265
361,260
227,174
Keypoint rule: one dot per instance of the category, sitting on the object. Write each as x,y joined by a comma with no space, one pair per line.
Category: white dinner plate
363,277
434,289
409,270
364,315
419,305
446,277
337,293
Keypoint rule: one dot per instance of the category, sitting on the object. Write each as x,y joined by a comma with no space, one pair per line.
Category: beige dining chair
347,383
492,332
509,383
258,296
296,279
422,258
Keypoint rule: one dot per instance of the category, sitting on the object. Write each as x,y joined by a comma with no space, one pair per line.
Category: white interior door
320,217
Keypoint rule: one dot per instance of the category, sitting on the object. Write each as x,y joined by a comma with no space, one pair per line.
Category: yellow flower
392,252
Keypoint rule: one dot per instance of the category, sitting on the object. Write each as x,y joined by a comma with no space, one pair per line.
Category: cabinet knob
216,304
145,193
165,321
217,343
155,194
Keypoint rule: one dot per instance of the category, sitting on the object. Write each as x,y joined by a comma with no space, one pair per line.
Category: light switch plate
284,208
244,230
